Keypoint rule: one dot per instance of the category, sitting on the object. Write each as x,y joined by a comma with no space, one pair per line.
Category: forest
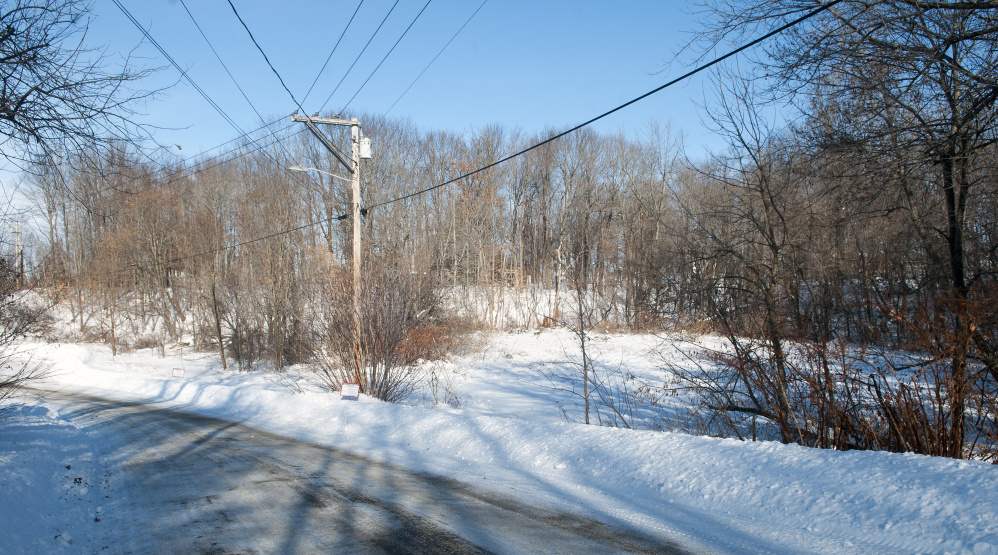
843,245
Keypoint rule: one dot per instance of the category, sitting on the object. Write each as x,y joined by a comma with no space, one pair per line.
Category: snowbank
723,495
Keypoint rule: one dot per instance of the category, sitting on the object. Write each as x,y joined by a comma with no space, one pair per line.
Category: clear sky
532,65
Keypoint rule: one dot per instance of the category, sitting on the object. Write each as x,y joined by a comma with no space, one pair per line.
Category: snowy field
503,420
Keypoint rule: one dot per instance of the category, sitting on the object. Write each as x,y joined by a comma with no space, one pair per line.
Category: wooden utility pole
355,251
19,253
352,164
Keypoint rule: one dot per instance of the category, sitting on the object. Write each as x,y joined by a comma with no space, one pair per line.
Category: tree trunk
218,327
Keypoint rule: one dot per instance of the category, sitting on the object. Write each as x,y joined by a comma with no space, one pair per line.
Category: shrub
398,328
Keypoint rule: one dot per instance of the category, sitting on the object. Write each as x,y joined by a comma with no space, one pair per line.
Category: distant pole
19,253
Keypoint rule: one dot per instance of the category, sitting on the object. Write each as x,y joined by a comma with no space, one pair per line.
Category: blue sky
531,65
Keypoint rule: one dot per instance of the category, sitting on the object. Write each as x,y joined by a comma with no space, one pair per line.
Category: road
181,483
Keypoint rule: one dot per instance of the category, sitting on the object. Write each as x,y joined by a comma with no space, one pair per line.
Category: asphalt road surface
180,483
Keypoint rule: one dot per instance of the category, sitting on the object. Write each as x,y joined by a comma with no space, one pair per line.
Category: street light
297,168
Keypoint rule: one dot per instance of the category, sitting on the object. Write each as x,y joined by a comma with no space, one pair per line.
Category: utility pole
352,164
19,253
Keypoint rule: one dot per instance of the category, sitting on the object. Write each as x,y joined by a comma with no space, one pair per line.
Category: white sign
178,372
349,390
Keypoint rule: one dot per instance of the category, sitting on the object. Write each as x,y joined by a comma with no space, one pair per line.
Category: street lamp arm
297,168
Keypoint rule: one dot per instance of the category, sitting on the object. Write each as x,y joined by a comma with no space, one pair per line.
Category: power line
195,85
272,68
386,56
201,91
183,73
528,149
253,142
236,83
482,5
257,144
264,126
212,102
205,95
553,138
234,139
227,152
315,132
219,58
257,148
357,59
242,133
335,46
169,182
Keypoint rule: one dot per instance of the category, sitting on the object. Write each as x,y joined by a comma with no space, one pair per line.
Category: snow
47,487
513,425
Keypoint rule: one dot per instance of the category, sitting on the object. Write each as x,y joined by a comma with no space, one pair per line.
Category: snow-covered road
183,483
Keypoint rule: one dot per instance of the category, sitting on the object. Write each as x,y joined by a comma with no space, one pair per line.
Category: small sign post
350,391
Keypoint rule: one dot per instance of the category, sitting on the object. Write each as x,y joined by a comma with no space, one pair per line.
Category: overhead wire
188,78
222,158
279,143
234,139
590,121
364,84
357,59
330,57
185,74
266,59
194,84
215,52
222,154
207,98
308,123
173,62
216,106
242,133
219,58
257,143
454,36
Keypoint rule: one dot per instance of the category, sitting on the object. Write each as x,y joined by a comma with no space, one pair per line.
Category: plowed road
180,483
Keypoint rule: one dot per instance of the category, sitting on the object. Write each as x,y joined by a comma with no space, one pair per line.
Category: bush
839,397
18,317
399,327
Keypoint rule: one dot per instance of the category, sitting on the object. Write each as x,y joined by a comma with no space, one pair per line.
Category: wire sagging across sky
454,36
392,49
173,62
357,59
335,46
588,122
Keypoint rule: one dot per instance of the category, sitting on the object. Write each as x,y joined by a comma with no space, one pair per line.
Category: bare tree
904,91
57,95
